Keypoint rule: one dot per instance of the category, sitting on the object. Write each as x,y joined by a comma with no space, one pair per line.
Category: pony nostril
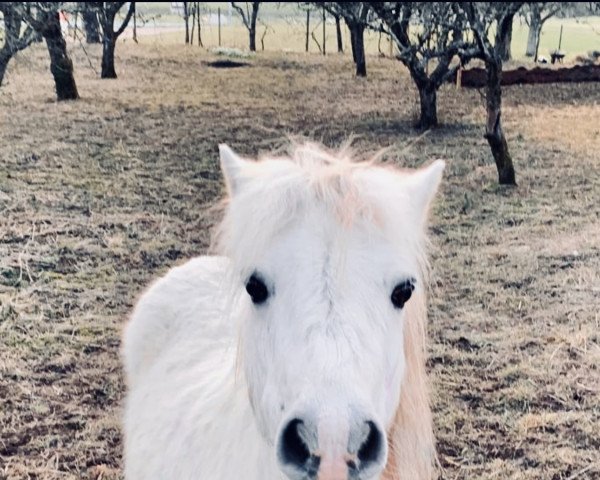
293,449
371,448
296,446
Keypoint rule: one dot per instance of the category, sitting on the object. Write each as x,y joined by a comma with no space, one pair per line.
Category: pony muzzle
330,449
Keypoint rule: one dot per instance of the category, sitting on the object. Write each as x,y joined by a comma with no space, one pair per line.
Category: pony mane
278,190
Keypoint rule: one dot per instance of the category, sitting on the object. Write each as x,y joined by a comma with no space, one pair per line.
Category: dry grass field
580,35
100,196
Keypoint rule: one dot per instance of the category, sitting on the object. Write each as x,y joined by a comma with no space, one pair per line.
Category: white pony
299,353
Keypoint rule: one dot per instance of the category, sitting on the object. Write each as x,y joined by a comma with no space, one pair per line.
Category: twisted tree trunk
494,133
15,39
60,63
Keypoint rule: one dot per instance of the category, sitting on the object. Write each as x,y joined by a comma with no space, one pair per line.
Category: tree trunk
338,31
135,39
505,52
428,98
535,29
307,29
186,18
357,40
262,38
110,35
494,133
4,59
108,56
193,23
91,25
12,28
352,44
252,26
15,39
199,24
60,63
324,32
252,35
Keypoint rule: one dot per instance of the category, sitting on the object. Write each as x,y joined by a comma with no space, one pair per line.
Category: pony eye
402,292
257,289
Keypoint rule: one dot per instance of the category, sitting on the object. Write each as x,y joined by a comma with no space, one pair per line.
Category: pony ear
423,185
233,168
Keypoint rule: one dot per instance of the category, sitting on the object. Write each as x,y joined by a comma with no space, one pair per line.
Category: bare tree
482,16
193,15
314,37
90,22
536,14
338,34
107,12
506,52
357,16
199,22
134,16
15,38
44,18
307,28
249,17
186,18
324,22
61,65
433,52
262,37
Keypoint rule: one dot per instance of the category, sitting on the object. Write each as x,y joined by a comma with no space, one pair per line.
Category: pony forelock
280,190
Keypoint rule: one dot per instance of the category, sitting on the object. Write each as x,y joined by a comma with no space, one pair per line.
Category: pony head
330,253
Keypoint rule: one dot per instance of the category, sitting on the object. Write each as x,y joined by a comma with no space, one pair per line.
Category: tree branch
240,10
128,16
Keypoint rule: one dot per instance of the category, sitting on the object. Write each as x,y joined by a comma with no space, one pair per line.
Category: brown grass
99,196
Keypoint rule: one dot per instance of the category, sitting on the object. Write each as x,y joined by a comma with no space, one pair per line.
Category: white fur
212,377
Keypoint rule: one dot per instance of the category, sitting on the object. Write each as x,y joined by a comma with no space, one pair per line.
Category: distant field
579,36
100,196
286,31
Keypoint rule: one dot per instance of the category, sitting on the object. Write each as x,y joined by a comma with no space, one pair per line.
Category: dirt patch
226,64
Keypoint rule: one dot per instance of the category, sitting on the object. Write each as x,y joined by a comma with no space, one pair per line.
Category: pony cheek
269,412
391,396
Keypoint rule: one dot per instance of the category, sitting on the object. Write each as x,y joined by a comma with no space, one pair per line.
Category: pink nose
333,469
304,453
